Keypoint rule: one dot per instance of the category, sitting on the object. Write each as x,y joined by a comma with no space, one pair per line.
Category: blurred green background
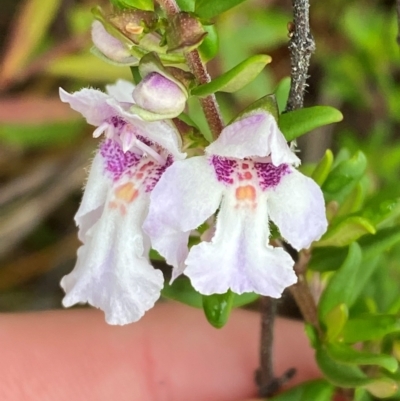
45,147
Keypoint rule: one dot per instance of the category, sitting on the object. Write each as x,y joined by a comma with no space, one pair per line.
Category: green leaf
354,201
323,168
382,388
217,308
339,374
236,78
282,93
186,5
346,232
371,327
211,8
316,390
330,258
182,290
340,286
380,211
335,320
298,122
209,47
344,177
147,5
349,376
343,353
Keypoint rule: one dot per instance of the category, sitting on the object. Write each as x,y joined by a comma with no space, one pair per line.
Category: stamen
150,152
100,130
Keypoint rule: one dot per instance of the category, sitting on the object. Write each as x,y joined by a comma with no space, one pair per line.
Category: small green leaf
298,122
371,327
211,8
209,47
147,5
181,290
344,177
339,374
282,93
236,78
343,353
186,5
323,168
382,388
217,308
316,390
346,232
380,211
330,258
354,201
340,286
335,320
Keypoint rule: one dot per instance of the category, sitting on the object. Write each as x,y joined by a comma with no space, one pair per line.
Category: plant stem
209,104
301,46
302,294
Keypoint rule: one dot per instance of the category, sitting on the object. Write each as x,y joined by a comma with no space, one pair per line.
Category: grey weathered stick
301,47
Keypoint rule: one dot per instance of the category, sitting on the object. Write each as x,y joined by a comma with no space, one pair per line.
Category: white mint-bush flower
248,175
113,271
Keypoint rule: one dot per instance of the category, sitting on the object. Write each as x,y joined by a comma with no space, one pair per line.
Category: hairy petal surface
297,207
239,257
92,205
187,194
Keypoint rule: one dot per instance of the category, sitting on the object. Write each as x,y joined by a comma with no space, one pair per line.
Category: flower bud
111,47
160,95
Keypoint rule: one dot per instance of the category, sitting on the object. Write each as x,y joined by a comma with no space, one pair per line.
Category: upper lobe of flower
254,136
110,113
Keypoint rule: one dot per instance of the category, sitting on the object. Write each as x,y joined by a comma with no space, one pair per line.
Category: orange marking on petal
245,166
248,175
245,192
139,176
127,192
112,205
122,209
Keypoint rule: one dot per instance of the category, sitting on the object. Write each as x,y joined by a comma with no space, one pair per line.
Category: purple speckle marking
224,168
269,176
117,122
116,161
154,174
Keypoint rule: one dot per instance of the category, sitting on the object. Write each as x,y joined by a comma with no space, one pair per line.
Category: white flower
113,271
248,176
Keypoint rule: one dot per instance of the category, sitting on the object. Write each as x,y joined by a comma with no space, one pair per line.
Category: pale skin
172,354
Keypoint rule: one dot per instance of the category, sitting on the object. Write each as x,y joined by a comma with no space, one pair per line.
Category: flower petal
256,135
113,272
121,91
94,197
91,103
297,207
187,194
238,257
